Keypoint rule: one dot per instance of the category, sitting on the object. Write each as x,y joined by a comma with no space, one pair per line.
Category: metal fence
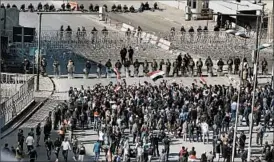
17,103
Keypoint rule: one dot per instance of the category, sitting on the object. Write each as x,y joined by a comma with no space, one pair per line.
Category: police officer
88,67
175,67
90,8
105,32
108,68
130,54
230,64
168,67
68,6
237,62
154,65
199,65
39,6
132,9
51,8
22,8
191,66
136,66
123,54
264,66
209,65
162,62
126,66
46,7
146,67
63,6
30,8
183,67
94,32
113,8
220,65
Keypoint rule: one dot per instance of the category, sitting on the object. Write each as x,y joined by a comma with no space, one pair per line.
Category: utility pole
237,108
39,52
272,76
256,56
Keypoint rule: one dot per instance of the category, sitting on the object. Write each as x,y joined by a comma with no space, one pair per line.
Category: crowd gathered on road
132,121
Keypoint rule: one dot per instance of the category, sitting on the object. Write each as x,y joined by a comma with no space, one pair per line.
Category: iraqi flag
155,75
202,80
118,75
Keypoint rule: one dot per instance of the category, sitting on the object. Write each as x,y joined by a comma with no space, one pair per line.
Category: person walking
96,150
66,148
82,152
38,134
57,146
49,146
29,142
32,155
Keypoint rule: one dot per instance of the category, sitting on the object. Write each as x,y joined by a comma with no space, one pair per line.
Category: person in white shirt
29,142
66,147
205,132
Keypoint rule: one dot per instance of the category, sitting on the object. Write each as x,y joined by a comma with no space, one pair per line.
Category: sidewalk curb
25,118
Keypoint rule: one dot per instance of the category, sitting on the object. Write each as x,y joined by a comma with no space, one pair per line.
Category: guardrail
13,106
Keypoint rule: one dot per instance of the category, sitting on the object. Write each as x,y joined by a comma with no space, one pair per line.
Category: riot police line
91,8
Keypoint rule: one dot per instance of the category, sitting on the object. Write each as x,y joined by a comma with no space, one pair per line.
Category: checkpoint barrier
154,39
164,44
125,27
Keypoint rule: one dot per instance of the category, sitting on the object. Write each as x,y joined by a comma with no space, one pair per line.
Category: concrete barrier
125,27
154,39
164,44
147,38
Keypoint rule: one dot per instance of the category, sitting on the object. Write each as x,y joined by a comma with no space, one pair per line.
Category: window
194,4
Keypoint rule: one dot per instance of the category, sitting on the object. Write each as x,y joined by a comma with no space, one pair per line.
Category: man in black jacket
126,66
123,54
130,54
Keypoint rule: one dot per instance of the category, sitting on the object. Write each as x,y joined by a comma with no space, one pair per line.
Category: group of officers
92,8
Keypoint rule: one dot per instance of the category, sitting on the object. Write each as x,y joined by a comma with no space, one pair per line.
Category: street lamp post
39,52
237,108
272,76
254,88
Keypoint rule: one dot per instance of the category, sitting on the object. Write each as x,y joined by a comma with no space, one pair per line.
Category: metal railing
18,102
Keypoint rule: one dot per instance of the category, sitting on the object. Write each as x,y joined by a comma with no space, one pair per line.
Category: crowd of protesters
153,114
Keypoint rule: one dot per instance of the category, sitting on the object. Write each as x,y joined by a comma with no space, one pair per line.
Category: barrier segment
125,27
154,39
164,44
